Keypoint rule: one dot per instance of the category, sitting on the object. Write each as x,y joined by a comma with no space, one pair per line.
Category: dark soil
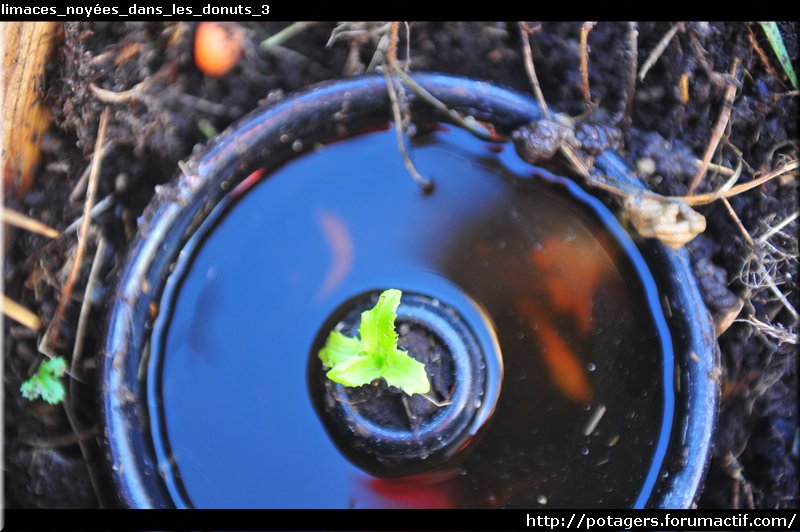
755,462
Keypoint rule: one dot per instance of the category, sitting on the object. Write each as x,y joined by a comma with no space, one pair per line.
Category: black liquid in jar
534,265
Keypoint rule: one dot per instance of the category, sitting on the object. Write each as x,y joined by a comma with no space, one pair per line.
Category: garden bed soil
673,112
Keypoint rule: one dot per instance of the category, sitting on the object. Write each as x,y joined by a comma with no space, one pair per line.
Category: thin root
470,125
425,184
530,69
433,401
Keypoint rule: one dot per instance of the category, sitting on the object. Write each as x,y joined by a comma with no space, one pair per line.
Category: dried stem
285,34
633,61
704,199
471,126
738,222
659,49
762,55
20,314
86,306
719,128
585,29
17,219
425,184
52,336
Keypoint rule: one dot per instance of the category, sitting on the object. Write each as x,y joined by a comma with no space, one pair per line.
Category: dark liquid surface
519,257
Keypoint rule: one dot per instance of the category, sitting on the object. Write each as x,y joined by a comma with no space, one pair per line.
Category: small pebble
646,166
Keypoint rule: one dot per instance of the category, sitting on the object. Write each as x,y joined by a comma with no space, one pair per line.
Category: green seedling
374,355
776,41
46,382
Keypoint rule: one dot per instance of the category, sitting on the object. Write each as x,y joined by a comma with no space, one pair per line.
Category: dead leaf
673,222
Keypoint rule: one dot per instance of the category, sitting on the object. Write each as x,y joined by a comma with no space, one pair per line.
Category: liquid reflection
234,426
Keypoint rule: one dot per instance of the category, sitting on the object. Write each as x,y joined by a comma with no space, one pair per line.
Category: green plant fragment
377,324
776,41
375,354
338,348
406,373
357,371
46,382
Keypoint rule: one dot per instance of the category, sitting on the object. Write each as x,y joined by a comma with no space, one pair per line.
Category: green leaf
406,373
55,366
357,371
355,362
338,348
776,41
46,382
377,324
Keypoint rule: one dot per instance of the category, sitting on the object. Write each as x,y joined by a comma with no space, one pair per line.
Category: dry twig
762,55
719,128
710,197
659,49
86,305
585,29
738,222
633,61
20,314
17,219
51,336
80,186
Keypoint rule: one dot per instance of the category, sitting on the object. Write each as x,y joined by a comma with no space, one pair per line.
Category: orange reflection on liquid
571,272
341,245
564,366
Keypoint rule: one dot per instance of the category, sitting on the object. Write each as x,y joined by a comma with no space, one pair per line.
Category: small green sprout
46,382
776,41
355,362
